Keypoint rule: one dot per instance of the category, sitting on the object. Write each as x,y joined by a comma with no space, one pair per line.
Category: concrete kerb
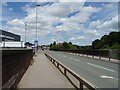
83,55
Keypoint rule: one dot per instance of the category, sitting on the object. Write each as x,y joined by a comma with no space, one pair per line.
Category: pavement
98,72
43,74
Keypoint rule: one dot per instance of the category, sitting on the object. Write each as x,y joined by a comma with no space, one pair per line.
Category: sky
78,22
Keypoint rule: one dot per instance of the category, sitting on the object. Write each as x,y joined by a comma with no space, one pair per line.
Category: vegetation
111,41
63,46
28,44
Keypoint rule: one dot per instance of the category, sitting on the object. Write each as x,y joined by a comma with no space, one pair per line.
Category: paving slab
43,74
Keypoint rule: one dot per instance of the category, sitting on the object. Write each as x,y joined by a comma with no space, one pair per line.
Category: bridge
55,69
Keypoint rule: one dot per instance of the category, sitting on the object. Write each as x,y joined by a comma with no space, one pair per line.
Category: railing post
81,86
53,61
57,65
65,71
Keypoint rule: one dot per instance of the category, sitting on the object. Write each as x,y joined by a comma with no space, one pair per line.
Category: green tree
54,43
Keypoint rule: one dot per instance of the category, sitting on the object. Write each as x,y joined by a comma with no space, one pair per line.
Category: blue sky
66,21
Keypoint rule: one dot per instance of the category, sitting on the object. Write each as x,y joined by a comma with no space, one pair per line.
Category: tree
28,44
107,41
70,43
95,44
54,43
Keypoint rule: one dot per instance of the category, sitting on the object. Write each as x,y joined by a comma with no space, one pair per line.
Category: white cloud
58,12
11,9
4,3
95,24
111,24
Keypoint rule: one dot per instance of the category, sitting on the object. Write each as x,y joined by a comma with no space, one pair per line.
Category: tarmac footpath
43,74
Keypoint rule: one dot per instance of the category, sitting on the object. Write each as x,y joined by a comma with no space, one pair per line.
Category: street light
25,30
36,41
36,18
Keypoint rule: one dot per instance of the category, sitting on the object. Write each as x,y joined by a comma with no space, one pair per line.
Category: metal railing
66,70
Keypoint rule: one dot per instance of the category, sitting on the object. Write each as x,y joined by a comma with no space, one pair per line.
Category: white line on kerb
101,67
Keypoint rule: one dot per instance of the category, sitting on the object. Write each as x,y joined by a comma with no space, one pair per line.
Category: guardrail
82,81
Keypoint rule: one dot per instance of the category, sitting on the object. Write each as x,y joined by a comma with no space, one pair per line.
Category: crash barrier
66,71
14,64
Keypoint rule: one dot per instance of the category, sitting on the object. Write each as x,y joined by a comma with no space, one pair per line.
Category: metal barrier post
65,71
57,65
81,86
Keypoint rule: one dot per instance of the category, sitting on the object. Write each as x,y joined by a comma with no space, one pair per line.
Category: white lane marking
108,77
71,58
64,56
76,60
101,67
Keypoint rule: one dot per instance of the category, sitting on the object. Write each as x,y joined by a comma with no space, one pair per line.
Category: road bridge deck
43,74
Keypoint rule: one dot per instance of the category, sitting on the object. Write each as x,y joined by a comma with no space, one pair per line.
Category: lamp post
36,40
25,30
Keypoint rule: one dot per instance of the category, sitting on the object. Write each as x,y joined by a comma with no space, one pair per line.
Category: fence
82,82
14,65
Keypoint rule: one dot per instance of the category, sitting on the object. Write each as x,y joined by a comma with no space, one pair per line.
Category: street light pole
36,40
25,30
36,19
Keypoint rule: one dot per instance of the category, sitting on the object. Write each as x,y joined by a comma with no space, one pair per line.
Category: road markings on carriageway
75,59
108,77
100,67
93,65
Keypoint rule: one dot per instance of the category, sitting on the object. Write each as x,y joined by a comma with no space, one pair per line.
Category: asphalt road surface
99,73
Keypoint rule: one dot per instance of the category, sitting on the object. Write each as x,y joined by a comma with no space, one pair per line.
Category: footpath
43,74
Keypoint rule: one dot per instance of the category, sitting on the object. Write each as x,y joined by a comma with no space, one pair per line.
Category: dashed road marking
108,77
101,67
64,56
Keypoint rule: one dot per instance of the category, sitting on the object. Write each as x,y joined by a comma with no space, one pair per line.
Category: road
99,73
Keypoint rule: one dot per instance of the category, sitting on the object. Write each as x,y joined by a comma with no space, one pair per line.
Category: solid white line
101,67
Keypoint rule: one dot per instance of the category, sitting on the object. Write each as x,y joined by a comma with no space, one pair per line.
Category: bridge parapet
15,62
